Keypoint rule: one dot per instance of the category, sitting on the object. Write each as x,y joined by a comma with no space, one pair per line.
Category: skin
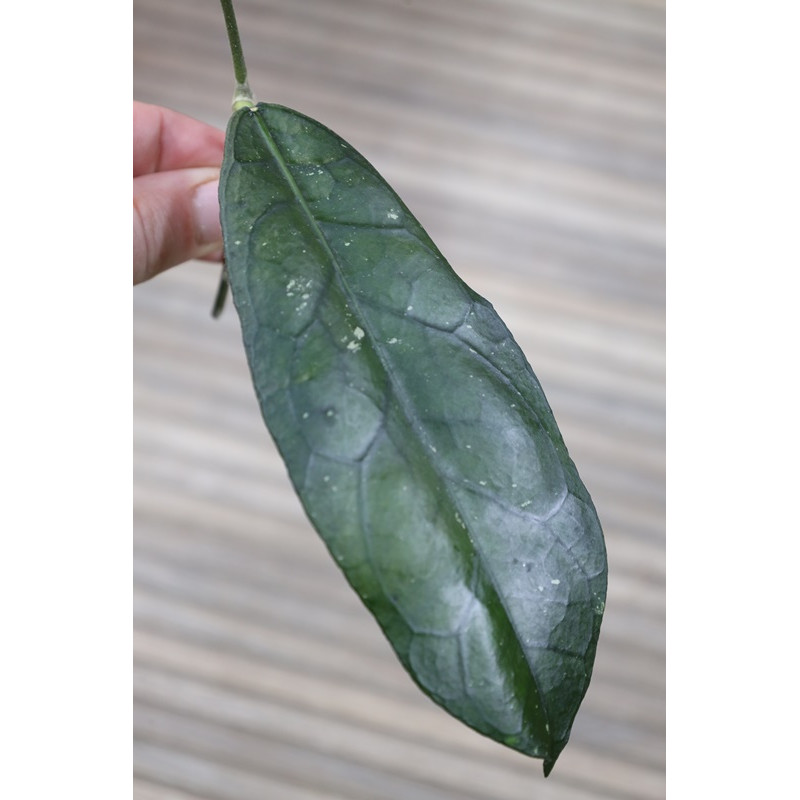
176,161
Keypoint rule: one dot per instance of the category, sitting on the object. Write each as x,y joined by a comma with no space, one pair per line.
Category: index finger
166,140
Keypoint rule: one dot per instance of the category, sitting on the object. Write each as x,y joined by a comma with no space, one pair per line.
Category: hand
176,162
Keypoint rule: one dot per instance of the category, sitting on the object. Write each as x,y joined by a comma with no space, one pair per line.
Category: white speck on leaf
358,333
555,581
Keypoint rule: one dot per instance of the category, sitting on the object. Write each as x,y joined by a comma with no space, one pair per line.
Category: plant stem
222,293
242,97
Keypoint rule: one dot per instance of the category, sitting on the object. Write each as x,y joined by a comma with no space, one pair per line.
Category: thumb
175,218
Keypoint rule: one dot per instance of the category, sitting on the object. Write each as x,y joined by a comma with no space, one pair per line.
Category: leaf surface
415,433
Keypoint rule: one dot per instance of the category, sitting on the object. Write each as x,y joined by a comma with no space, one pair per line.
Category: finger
166,140
175,218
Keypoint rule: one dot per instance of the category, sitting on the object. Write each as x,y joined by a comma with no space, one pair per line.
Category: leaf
415,433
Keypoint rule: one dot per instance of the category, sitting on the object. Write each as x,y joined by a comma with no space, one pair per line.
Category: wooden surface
528,138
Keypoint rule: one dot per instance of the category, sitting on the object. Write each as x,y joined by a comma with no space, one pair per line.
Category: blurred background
527,136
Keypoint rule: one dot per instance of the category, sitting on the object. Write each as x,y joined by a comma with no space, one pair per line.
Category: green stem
222,293
243,97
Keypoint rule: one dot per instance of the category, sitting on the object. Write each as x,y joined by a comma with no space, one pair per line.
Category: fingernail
206,214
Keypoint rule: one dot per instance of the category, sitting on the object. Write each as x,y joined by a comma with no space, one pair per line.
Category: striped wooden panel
528,138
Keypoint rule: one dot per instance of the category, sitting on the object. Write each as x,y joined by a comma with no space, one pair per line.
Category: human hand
176,162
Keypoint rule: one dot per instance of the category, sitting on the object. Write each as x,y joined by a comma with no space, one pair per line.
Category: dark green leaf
415,433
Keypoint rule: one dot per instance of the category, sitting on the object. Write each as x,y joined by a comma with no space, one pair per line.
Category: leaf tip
549,763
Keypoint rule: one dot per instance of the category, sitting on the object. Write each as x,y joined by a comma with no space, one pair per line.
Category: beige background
528,138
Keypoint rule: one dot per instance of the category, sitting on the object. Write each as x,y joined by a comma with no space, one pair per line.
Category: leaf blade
415,433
